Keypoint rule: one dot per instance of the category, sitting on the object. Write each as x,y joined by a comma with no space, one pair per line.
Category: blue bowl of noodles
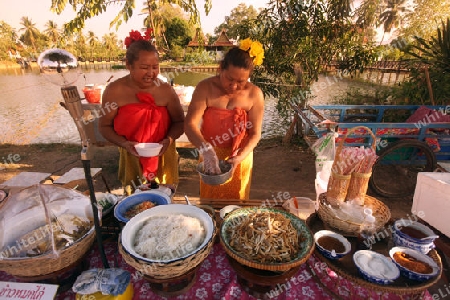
136,203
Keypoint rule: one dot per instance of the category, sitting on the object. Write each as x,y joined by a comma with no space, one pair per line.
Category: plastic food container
302,207
93,93
148,149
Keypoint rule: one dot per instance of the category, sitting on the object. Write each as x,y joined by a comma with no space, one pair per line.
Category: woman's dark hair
135,47
238,58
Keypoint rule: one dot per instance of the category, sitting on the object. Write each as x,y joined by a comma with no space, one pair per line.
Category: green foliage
434,55
177,32
176,52
426,17
357,57
237,16
7,40
86,9
300,38
200,57
370,94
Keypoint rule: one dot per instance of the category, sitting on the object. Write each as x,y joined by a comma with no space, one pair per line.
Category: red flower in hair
148,34
136,36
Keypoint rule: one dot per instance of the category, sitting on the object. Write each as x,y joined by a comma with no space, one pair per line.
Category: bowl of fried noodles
266,238
134,204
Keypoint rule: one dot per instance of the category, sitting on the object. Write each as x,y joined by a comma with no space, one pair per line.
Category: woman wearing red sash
141,108
224,120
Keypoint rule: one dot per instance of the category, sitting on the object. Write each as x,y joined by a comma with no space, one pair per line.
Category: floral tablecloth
216,279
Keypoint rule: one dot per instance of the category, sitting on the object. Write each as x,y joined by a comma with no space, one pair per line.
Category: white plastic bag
325,149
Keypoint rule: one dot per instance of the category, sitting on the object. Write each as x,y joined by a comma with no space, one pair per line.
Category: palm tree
53,32
92,39
80,44
391,17
110,42
154,19
30,32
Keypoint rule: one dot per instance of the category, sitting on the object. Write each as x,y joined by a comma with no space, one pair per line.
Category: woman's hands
235,160
129,146
210,161
165,144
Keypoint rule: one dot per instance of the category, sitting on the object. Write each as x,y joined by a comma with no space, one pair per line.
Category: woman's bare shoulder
206,82
116,85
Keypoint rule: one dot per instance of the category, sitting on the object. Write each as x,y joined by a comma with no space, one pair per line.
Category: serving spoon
187,200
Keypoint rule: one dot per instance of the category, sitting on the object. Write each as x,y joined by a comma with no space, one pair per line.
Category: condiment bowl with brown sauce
332,245
414,235
414,264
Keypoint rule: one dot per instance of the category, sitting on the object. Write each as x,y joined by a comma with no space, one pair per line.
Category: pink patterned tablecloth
217,280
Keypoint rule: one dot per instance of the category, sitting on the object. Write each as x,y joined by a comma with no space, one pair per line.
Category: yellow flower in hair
245,44
255,50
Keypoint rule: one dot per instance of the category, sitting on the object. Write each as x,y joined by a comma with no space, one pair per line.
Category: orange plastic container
93,94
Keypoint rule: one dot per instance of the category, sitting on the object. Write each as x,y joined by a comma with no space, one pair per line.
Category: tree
177,32
92,40
425,17
8,37
158,16
30,32
392,15
367,15
80,45
299,38
434,54
236,17
86,9
53,33
111,44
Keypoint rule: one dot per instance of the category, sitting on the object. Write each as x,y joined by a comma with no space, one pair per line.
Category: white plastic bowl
148,149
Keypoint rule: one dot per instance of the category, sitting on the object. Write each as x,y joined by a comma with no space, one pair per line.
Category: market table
217,279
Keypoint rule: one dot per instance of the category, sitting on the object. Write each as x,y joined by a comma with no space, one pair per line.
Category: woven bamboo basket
161,270
339,184
380,211
48,264
306,247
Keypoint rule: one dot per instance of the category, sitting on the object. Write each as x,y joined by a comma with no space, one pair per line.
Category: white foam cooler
432,200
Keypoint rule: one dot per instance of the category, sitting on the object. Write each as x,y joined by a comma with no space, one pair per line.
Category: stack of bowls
422,244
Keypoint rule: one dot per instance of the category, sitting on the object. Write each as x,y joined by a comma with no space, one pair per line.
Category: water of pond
30,110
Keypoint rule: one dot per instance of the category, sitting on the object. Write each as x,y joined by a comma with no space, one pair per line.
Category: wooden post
430,88
288,136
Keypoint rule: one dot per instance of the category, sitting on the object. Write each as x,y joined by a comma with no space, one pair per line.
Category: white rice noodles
170,237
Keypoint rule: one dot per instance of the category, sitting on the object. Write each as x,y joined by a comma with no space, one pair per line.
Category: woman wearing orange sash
224,121
141,108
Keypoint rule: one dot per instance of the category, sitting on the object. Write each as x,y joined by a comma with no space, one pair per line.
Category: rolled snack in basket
337,188
357,189
112,281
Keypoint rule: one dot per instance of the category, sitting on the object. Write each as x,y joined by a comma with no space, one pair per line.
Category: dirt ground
280,171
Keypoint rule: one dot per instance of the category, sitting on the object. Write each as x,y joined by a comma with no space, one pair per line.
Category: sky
39,12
